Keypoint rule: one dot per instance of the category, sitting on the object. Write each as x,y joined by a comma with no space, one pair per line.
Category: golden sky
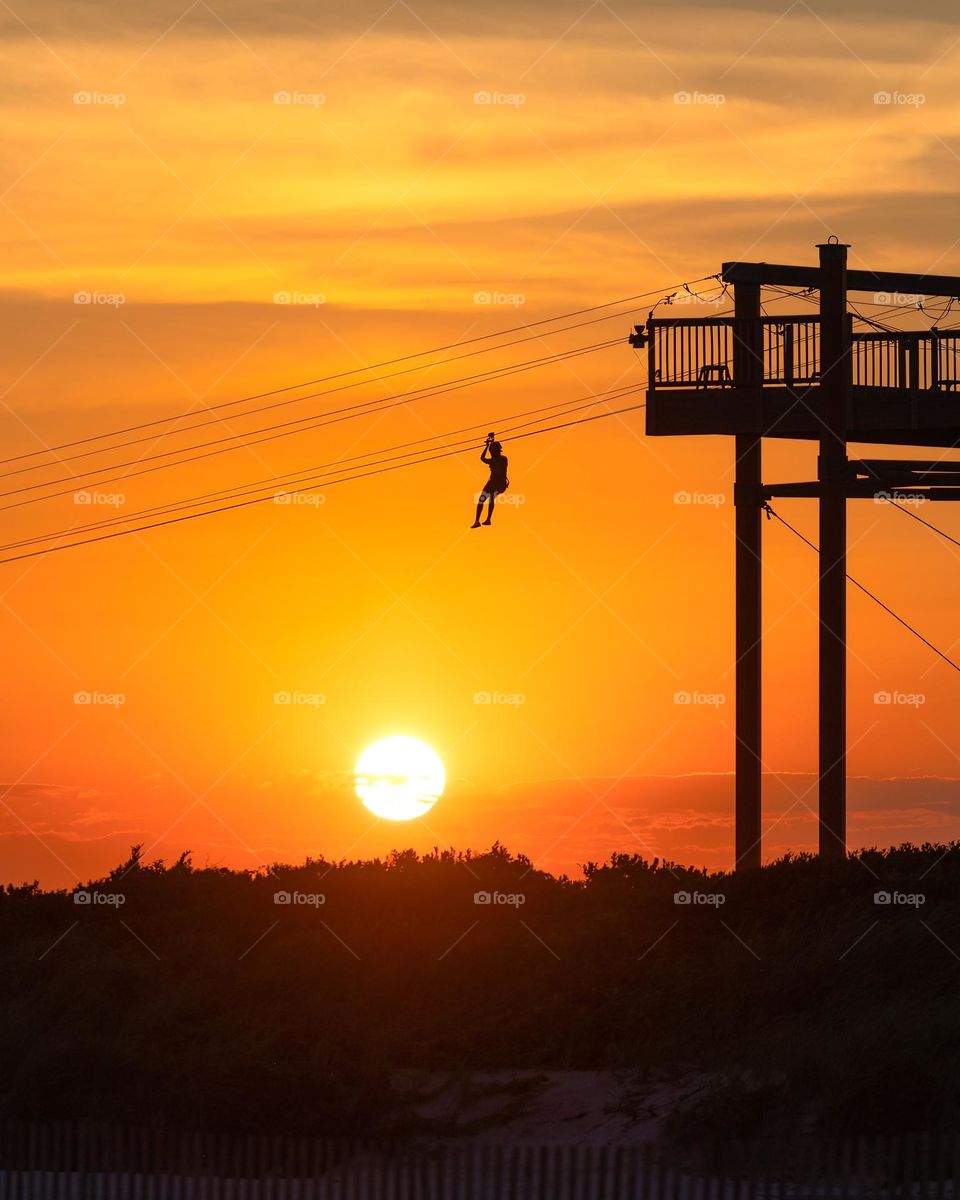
383,165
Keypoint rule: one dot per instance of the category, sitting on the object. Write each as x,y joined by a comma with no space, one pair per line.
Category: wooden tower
811,378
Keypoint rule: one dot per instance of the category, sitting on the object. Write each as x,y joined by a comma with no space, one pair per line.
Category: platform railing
908,361
725,352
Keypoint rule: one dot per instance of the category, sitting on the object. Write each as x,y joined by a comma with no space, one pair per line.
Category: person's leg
476,519
493,497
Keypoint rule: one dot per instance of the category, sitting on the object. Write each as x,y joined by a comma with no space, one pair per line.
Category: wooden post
835,396
747,371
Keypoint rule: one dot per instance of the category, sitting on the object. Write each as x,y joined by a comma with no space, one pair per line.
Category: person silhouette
498,482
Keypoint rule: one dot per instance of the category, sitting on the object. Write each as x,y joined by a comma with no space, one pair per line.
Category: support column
835,375
748,595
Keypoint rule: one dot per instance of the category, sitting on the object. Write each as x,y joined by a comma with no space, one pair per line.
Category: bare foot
475,525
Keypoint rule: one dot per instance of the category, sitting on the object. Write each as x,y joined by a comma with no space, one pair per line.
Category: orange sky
389,195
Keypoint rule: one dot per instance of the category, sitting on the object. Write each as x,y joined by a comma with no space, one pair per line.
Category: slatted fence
84,1161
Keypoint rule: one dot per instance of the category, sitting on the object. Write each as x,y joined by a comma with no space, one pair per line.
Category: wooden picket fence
84,1161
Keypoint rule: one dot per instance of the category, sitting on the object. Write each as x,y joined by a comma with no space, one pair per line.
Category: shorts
489,492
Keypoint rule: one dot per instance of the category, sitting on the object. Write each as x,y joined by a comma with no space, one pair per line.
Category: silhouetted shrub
203,1001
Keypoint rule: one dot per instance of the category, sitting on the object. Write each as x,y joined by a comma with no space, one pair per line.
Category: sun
399,778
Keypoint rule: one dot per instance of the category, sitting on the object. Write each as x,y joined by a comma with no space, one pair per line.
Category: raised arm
484,455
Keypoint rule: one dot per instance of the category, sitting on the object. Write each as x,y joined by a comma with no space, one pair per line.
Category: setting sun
399,778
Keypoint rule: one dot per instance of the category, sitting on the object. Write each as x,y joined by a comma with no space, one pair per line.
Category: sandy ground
584,1107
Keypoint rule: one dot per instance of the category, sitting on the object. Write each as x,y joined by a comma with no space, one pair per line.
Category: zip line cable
382,403
304,473
374,367
345,479
154,438
310,482
278,483
936,529
866,591
317,420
